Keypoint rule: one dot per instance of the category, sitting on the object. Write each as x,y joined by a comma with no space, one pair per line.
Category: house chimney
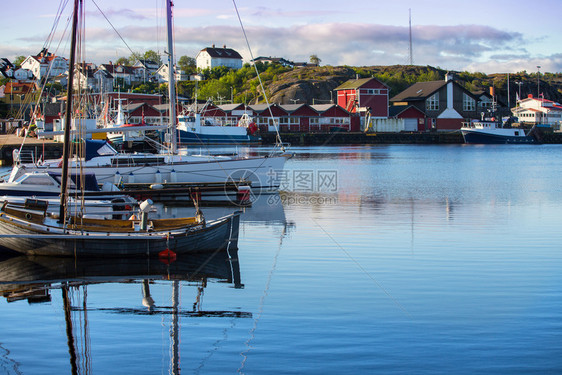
449,112
224,46
213,46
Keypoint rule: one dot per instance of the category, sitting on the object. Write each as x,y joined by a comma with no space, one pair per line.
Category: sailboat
262,171
29,228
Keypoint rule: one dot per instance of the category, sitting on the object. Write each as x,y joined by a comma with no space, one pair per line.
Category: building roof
395,110
419,91
148,64
231,107
20,87
5,63
225,53
112,69
354,83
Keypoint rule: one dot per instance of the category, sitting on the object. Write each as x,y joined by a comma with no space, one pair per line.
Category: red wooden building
363,95
414,118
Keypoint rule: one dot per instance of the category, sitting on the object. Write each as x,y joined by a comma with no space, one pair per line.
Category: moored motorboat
490,132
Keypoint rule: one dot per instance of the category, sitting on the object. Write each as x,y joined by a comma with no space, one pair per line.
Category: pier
9,142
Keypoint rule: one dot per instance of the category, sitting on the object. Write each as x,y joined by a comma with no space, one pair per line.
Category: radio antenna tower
411,51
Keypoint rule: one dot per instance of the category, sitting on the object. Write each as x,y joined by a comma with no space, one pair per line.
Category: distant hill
316,84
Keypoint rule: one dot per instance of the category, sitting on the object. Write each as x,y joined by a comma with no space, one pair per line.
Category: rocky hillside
316,84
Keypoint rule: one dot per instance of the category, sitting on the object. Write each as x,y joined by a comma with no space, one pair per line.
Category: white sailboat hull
263,172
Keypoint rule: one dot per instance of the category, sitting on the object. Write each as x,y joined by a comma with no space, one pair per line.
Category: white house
120,73
104,80
145,70
45,65
163,72
532,111
212,57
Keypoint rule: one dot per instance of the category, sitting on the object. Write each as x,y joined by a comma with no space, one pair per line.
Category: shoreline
53,150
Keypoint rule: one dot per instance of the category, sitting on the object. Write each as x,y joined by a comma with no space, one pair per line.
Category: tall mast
68,115
171,78
411,51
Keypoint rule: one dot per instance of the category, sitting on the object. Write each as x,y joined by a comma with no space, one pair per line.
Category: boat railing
24,156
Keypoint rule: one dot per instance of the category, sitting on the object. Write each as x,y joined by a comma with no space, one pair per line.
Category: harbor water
382,259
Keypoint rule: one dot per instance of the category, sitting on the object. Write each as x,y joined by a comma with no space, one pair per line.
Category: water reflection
36,279
266,210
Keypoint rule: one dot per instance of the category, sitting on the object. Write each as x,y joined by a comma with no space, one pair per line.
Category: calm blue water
398,259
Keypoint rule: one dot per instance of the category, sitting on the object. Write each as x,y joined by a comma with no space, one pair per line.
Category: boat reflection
266,210
34,279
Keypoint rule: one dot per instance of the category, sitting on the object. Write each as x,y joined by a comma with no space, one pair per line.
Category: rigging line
55,23
21,110
279,142
361,267
113,27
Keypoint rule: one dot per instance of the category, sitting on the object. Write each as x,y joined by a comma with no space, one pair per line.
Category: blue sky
487,36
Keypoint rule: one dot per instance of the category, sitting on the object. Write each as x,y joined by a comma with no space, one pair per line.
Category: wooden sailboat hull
32,239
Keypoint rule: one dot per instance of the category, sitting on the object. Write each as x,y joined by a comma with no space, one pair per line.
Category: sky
490,36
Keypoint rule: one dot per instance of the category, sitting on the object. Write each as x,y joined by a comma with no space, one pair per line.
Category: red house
363,95
414,118
299,117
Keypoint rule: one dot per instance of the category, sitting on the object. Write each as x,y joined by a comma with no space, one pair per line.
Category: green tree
214,89
122,61
152,56
135,56
19,60
314,59
187,64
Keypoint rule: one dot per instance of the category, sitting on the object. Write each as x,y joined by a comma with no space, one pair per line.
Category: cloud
551,63
112,14
460,47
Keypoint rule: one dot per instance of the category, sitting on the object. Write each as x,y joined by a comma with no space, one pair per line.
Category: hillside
316,84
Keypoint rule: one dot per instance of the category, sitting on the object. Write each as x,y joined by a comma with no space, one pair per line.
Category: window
289,120
468,104
432,103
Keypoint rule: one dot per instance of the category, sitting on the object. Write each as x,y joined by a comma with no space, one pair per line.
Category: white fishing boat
196,129
491,132
30,228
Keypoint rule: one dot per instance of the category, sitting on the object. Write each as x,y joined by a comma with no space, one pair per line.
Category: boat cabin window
186,119
36,180
138,160
516,132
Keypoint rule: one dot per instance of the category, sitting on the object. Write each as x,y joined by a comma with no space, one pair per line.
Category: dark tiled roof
419,91
225,53
395,110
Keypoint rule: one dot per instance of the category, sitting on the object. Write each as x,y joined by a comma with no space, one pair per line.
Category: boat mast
171,78
68,115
